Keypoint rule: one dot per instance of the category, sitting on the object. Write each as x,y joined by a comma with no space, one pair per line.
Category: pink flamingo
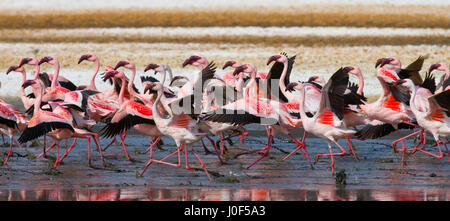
56,126
54,92
327,122
387,108
431,111
179,126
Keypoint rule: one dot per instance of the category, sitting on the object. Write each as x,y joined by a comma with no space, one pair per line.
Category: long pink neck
55,75
131,90
250,85
239,83
122,90
361,82
36,72
97,67
24,78
38,100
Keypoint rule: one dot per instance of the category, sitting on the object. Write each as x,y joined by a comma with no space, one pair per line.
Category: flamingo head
317,79
87,57
15,68
29,60
246,68
291,86
439,66
390,61
233,64
277,58
195,61
48,59
148,85
28,83
111,74
155,67
125,64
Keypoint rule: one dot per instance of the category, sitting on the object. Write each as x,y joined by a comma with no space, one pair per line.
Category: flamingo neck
281,81
55,75
240,83
250,85
361,82
303,116
131,90
37,100
97,67
24,78
36,72
122,91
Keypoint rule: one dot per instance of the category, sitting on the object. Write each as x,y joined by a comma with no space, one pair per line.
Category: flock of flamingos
189,110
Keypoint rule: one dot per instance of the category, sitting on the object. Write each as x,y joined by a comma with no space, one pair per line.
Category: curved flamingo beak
273,58
84,57
290,86
433,67
148,86
24,61
44,60
383,61
120,64
151,67
228,64
28,83
191,60
239,70
12,68
313,78
348,69
109,75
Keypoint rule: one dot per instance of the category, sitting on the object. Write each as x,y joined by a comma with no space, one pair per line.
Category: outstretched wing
412,70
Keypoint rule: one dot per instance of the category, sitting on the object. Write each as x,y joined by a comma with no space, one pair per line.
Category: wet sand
376,176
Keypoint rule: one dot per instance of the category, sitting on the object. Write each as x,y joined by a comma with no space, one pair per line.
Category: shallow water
376,176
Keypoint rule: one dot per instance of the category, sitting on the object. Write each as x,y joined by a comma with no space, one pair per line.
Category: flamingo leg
186,158
68,150
267,148
423,138
298,146
202,164
112,141
17,143
350,146
152,144
99,149
394,144
215,148
403,149
331,154
434,155
57,156
125,149
10,150
204,147
151,160
43,153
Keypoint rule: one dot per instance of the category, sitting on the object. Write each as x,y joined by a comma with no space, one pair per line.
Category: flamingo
57,126
8,125
327,122
179,126
431,111
391,106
